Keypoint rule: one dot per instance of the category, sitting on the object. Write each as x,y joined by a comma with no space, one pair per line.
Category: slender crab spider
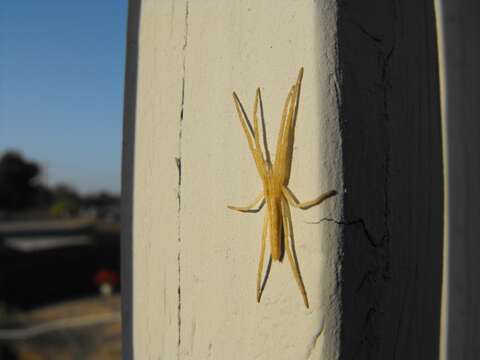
275,178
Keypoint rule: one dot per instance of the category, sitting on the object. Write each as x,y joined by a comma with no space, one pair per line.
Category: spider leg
283,156
268,159
262,256
292,199
287,226
267,273
250,207
251,135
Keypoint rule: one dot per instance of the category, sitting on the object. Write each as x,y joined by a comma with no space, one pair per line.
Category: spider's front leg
293,201
250,208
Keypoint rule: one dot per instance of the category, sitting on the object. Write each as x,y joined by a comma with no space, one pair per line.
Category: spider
275,178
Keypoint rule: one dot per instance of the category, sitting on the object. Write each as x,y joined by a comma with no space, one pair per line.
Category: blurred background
61,95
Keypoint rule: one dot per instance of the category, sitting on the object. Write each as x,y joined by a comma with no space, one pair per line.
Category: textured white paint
195,261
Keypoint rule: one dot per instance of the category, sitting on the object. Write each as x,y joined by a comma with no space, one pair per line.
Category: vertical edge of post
128,152
439,16
459,23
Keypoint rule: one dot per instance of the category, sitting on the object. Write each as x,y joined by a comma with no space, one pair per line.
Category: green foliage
67,202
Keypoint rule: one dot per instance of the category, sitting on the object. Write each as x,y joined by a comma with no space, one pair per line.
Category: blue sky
61,88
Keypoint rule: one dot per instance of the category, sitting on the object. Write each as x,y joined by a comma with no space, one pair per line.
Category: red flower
106,276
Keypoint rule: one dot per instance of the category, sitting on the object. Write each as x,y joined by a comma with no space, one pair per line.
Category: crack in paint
178,161
358,221
314,342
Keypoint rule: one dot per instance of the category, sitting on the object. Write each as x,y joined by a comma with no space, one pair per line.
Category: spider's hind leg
293,201
262,256
287,225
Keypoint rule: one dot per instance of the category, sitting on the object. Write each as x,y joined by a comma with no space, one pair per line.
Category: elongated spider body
272,190
275,178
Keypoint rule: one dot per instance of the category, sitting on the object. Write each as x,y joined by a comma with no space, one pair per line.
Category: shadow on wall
392,158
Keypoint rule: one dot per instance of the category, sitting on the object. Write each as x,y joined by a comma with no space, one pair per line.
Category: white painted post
189,262
368,127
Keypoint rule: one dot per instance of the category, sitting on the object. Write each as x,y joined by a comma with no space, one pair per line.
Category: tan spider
275,178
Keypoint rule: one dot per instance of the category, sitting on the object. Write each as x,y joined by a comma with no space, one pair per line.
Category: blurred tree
67,201
44,196
17,181
20,189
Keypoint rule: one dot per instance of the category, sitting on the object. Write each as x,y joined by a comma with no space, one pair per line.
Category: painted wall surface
460,27
193,262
